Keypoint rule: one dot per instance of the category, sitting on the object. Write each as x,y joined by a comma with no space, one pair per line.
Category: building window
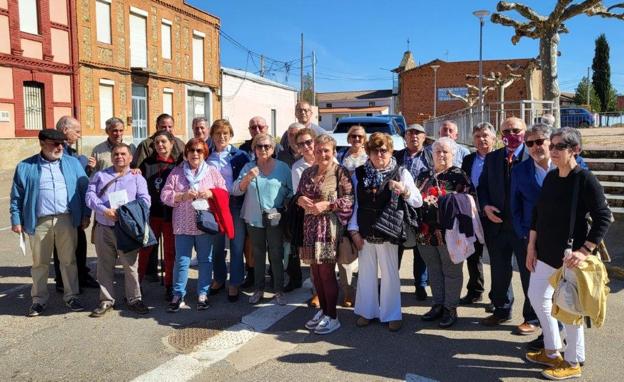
328,104
444,96
369,114
165,39
168,101
103,23
106,102
138,39
139,113
28,16
198,56
371,104
274,122
33,106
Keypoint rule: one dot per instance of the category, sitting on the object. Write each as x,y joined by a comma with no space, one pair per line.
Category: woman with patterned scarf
374,183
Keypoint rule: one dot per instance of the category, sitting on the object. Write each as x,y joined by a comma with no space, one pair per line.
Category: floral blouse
433,187
322,232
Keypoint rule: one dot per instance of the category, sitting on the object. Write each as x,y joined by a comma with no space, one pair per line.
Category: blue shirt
458,156
52,189
540,173
221,161
416,163
477,168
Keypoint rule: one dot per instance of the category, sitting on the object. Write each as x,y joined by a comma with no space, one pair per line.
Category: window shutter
103,23
106,104
28,16
198,58
166,40
138,42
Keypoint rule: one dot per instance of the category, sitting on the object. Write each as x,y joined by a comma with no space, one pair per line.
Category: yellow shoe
563,371
541,358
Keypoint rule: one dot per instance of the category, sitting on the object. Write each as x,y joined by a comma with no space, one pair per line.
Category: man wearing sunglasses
494,194
48,204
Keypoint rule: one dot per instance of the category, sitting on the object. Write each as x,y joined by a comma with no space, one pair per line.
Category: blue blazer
524,194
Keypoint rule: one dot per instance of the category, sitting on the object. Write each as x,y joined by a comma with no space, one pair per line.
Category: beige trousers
107,253
52,231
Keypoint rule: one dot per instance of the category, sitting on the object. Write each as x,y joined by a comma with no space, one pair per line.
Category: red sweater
220,206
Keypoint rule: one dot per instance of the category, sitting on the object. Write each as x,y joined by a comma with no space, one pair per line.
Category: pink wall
4,4
58,11
6,78
61,88
7,129
5,42
61,111
32,49
60,45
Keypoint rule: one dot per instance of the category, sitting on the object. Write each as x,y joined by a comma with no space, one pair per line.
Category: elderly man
108,190
101,154
200,128
416,159
303,113
47,203
290,153
483,137
494,193
449,129
71,128
146,148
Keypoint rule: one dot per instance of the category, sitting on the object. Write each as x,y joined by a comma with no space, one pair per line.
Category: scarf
374,177
197,177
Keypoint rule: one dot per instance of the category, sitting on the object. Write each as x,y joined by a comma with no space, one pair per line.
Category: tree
307,93
601,79
580,97
547,30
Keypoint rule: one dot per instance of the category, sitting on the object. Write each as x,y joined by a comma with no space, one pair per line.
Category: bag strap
107,185
575,192
258,192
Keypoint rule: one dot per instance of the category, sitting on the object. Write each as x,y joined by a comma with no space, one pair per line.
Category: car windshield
369,127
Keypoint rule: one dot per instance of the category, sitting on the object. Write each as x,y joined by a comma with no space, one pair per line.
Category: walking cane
162,259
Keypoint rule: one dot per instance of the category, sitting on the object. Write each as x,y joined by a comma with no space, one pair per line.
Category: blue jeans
237,267
183,250
419,268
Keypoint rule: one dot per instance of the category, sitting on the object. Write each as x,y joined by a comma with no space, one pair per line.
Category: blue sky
356,42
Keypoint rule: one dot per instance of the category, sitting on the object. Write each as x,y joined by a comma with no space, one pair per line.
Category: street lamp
482,14
435,89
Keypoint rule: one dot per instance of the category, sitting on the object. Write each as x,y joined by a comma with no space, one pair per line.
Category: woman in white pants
548,240
374,183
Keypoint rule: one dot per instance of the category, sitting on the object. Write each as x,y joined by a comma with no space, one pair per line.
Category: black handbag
206,222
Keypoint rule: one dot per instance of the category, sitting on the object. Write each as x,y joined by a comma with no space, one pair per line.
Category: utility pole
261,65
313,79
588,84
301,74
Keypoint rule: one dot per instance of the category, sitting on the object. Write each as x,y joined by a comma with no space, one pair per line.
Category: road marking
5,228
417,378
186,366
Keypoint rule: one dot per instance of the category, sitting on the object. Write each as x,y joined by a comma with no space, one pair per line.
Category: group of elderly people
376,201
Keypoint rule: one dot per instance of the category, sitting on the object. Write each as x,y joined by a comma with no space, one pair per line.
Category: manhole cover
186,339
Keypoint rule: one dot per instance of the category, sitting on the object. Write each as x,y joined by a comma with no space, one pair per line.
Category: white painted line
5,228
417,378
186,366
18,288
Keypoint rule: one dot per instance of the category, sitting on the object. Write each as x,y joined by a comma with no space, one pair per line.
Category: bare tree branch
526,29
620,5
559,9
522,9
577,9
600,10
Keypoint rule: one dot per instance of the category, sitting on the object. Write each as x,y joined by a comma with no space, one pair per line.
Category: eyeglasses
264,147
380,151
512,131
306,143
537,142
55,143
303,110
356,136
256,127
558,146
200,151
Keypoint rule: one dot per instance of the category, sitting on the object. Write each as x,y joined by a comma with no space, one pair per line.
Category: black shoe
168,293
202,304
421,293
35,310
102,309
138,307
489,308
215,291
537,344
175,304
59,287
470,299
89,282
436,312
449,318
291,286
494,320
249,280
74,305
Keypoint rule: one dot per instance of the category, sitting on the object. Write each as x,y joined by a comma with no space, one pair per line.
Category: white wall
244,99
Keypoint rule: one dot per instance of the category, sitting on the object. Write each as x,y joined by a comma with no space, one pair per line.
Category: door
139,113
198,105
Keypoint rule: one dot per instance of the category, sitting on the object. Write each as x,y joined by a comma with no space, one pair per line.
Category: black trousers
475,271
294,266
81,259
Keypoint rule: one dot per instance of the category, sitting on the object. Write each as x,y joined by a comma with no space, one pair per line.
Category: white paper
200,205
118,198
22,243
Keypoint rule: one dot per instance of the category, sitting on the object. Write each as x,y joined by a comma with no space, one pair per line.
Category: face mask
513,141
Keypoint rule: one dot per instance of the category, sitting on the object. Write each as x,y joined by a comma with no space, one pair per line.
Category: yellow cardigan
592,280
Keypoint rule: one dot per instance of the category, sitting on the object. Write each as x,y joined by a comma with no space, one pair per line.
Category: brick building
417,86
138,59
36,72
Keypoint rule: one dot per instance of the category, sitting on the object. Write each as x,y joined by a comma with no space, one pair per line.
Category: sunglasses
306,143
512,131
356,136
200,151
264,147
558,146
256,127
55,143
380,151
537,142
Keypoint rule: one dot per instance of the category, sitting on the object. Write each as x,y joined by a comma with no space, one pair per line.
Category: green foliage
601,78
307,93
580,97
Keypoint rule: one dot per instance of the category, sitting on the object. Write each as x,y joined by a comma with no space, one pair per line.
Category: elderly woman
188,187
548,240
266,184
445,277
355,155
326,195
155,169
374,183
229,161
304,140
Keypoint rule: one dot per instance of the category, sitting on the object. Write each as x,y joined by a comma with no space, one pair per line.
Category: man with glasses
449,129
146,148
494,193
416,158
303,113
48,204
257,125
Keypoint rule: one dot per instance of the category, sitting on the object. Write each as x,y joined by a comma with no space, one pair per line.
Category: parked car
576,117
400,120
379,123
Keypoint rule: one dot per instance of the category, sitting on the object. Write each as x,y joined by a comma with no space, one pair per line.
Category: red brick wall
417,86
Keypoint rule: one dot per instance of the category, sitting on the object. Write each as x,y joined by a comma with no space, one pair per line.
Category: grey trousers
51,231
445,278
270,238
107,253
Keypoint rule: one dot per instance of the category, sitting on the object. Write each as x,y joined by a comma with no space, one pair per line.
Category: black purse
206,222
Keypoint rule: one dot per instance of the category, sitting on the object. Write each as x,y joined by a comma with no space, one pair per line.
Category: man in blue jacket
48,204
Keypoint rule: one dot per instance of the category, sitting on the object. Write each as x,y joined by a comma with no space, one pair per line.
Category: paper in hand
22,243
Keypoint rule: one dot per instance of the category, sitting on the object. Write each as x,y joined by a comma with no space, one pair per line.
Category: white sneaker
311,325
327,325
280,299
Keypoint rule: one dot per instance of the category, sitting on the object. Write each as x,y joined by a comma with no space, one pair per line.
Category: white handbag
566,295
